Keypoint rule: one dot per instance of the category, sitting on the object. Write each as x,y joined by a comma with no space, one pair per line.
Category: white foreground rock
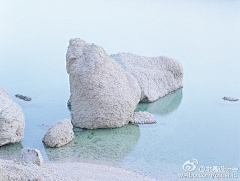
10,170
143,118
12,120
157,76
59,134
32,156
103,95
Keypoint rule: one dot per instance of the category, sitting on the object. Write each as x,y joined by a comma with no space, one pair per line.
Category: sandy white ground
10,170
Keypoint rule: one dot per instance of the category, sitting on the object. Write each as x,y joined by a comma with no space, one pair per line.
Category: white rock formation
12,120
103,95
143,118
32,156
157,76
59,134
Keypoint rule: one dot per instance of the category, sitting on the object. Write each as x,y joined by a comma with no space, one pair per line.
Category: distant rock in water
230,99
12,119
25,98
157,76
143,118
103,94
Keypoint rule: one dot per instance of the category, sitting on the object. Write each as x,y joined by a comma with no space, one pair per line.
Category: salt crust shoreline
10,170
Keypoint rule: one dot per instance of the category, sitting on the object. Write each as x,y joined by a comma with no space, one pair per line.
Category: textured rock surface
17,171
25,98
12,120
32,155
103,95
59,134
157,76
230,99
143,118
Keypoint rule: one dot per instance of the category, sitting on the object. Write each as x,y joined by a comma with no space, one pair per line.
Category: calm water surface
193,122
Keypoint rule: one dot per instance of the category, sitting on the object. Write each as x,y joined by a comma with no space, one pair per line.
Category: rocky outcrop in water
143,118
103,95
157,76
32,156
25,98
59,134
12,119
230,99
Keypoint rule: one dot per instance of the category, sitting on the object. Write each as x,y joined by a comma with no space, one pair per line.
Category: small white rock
143,118
32,155
59,134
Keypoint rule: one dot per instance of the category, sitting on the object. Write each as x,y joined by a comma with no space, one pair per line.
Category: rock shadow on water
163,105
11,151
100,145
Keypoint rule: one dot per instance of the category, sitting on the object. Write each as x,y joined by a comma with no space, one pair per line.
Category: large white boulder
32,156
59,134
157,76
103,95
12,119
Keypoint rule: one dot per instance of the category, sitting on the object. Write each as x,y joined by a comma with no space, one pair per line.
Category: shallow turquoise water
193,122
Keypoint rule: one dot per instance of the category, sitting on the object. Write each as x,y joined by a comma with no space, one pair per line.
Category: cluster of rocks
105,90
25,98
12,124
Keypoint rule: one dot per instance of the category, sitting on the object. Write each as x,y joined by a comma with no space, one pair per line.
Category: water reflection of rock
11,151
97,145
163,105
